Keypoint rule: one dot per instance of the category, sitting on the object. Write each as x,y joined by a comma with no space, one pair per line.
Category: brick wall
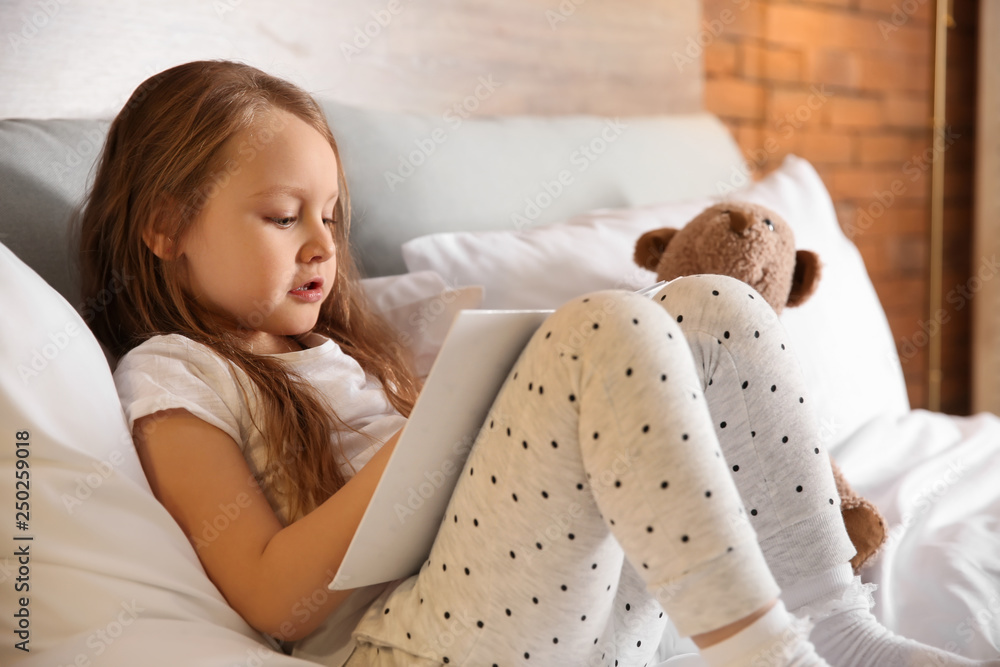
848,84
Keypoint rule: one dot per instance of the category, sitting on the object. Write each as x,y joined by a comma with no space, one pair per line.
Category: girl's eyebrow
289,190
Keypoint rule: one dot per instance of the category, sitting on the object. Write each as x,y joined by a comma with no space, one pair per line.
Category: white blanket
936,478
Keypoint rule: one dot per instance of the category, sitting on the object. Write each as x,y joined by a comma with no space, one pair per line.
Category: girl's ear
159,241
160,244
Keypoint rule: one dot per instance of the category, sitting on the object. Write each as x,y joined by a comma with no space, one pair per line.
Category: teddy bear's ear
650,246
805,279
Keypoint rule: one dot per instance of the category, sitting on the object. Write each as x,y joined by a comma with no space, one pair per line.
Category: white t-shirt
174,371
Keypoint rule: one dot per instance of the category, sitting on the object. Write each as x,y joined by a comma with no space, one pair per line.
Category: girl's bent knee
604,314
603,308
608,300
699,295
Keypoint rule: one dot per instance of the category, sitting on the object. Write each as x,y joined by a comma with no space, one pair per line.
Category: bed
524,208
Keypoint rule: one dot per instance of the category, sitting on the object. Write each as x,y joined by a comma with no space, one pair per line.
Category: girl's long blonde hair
162,158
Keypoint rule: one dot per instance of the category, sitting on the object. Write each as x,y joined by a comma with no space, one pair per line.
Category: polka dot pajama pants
634,457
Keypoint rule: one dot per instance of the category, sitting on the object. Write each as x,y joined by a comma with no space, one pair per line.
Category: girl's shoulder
172,354
164,343
173,371
170,345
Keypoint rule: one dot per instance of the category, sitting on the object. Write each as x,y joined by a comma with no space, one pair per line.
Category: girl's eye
289,221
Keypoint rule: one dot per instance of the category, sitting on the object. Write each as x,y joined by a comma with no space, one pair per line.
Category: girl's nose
320,246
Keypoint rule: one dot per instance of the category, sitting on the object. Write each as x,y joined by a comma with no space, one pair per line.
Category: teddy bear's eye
770,225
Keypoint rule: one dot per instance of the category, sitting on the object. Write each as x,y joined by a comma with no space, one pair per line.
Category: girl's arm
275,577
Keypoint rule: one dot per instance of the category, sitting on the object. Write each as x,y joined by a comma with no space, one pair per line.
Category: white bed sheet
936,478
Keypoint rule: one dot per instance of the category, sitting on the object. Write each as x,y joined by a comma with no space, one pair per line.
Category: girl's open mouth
310,291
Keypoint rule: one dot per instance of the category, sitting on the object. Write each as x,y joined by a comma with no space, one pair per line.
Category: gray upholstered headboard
409,175
413,174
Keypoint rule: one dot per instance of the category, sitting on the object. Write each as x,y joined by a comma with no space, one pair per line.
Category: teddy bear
754,244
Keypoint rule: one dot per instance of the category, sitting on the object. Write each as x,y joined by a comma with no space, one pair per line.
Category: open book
398,528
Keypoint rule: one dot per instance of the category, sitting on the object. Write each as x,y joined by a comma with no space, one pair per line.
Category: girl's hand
268,573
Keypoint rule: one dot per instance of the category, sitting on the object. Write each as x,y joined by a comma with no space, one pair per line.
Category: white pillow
389,292
543,267
422,307
841,333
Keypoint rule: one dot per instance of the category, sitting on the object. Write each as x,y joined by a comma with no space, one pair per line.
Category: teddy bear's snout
739,221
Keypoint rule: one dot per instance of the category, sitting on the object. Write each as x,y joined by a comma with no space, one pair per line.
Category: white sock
776,639
846,633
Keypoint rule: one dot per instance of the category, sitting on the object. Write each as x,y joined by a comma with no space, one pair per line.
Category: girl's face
261,254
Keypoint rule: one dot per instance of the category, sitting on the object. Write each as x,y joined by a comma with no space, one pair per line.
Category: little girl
644,455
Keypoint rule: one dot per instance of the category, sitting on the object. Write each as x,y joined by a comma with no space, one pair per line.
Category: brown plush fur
744,241
754,244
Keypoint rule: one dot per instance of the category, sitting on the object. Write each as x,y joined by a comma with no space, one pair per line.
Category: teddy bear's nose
739,221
